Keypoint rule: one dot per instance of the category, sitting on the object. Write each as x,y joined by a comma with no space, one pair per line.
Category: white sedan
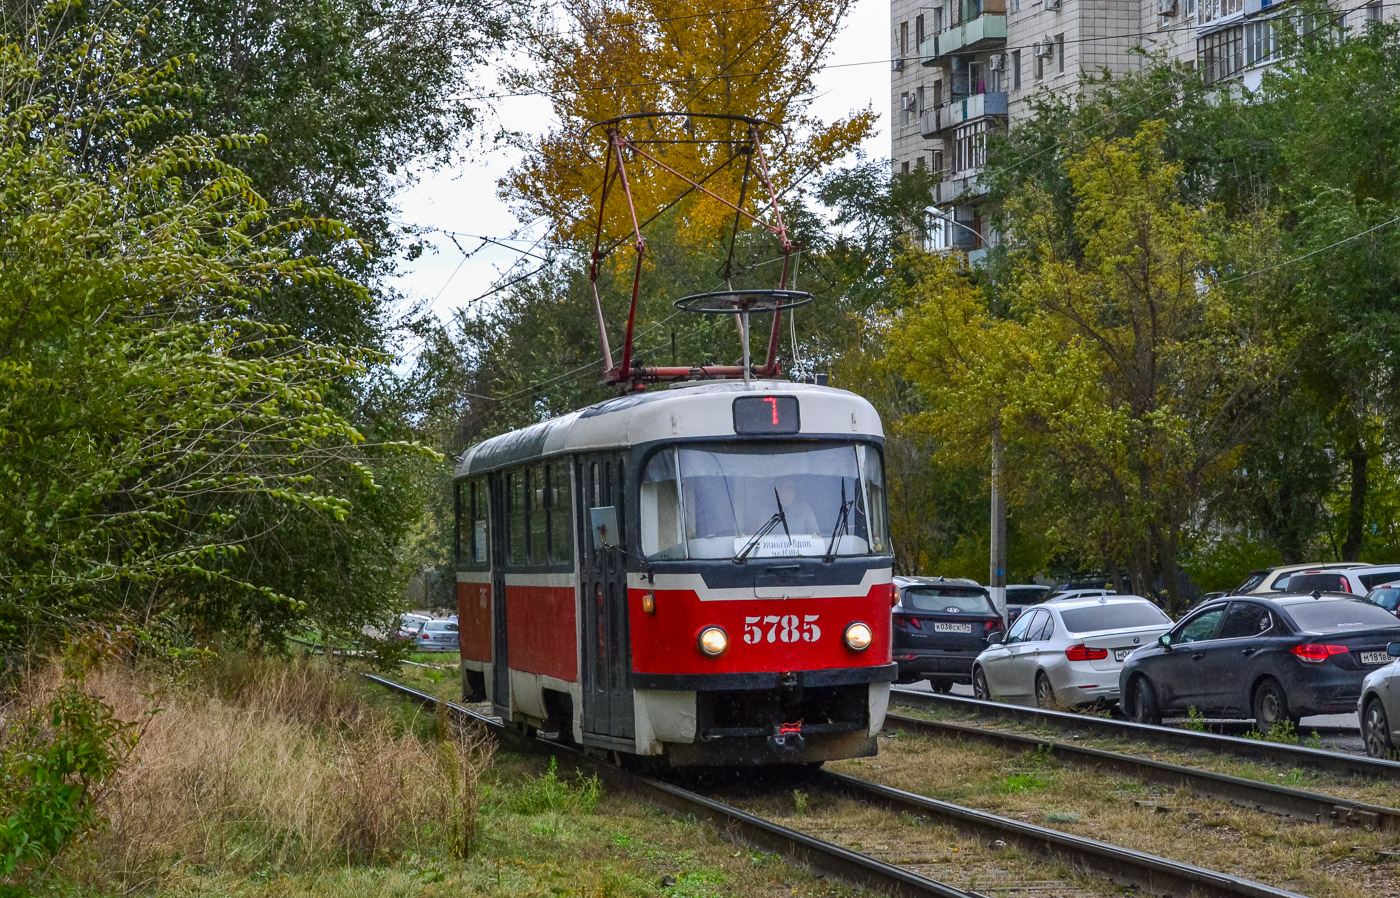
1068,652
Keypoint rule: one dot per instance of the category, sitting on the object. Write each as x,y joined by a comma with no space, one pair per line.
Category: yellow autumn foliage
599,59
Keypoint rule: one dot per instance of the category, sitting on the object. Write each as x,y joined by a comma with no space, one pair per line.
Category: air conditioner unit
1045,49
907,101
1051,4
897,63
1166,7
997,62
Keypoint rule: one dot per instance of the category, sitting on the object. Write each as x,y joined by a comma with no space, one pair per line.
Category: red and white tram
700,574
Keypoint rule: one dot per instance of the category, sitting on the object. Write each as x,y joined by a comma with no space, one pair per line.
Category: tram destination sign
766,414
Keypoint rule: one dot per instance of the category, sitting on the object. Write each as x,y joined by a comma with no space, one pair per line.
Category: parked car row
430,634
1290,642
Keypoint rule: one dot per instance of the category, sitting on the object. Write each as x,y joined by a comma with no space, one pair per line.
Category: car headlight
713,641
859,636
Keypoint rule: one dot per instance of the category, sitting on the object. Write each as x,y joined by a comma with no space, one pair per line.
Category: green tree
153,435
1125,372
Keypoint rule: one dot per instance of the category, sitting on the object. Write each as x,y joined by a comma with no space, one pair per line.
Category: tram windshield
764,501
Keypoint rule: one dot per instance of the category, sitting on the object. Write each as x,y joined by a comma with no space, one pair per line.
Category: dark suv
940,626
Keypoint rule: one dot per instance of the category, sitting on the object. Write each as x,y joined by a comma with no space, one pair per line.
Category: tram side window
661,507
539,522
471,522
515,517
459,553
873,472
478,522
561,520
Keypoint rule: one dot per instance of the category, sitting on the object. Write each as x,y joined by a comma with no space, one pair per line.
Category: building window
919,30
1372,13
904,168
1188,9
1261,42
919,99
1212,10
919,162
903,40
970,147
1060,53
1221,54
1015,5
937,19
1015,69
1039,64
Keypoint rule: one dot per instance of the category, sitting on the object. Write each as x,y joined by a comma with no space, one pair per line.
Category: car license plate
1120,654
1375,658
952,628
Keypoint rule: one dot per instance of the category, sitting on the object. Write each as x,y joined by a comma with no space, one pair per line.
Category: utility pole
997,581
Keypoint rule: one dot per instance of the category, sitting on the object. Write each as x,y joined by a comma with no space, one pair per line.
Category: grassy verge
1319,860
278,778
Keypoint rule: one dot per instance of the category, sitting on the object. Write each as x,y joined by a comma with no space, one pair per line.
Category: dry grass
274,766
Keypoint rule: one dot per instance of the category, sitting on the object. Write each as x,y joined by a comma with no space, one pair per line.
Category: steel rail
1253,794
734,824
1253,749
1152,873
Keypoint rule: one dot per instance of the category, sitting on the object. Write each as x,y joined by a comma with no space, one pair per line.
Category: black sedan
1277,658
941,626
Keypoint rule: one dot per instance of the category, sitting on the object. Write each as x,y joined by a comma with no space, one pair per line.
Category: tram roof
689,411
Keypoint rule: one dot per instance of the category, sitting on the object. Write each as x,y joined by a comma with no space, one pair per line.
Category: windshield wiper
777,518
843,525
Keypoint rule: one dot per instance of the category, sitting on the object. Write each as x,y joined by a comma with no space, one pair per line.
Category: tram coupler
788,737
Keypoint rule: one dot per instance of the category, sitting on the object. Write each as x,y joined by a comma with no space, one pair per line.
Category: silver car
1379,707
437,636
1068,652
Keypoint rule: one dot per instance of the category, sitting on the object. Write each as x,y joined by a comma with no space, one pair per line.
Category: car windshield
711,501
1388,598
440,626
1376,578
947,598
1120,616
1341,616
1026,595
1251,582
1322,581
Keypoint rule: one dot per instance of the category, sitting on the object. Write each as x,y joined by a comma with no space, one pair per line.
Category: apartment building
963,68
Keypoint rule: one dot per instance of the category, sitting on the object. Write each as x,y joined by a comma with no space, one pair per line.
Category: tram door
607,652
500,660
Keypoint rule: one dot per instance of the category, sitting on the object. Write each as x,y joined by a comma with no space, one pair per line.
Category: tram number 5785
781,628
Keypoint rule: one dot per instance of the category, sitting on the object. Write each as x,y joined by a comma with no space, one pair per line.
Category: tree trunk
1356,508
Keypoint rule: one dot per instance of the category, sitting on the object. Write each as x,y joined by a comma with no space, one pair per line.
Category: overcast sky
464,200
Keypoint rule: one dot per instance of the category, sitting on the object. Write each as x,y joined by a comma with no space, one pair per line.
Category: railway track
1167,737
1283,800
1123,866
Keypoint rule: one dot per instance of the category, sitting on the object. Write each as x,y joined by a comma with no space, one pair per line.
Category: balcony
962,189
935,121
973,107
978,33
930,123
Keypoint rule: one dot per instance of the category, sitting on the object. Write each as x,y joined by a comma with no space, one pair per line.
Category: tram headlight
713,641
859,636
